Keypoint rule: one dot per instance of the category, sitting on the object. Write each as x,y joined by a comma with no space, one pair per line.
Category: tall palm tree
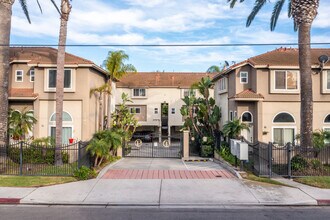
64,16
20,123
5,25
218,69
303,13
100,91
116,67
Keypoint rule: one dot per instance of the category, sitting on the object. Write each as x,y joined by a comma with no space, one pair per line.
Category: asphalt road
156,213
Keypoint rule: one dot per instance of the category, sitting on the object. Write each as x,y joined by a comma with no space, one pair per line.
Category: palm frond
39,6
258,5
276,13
55,5
289,9
25,9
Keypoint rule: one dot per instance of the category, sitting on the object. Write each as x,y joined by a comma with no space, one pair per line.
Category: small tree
20,123
123,120
100,91
103,144
234,128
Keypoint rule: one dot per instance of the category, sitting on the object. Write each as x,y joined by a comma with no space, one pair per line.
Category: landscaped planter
207,151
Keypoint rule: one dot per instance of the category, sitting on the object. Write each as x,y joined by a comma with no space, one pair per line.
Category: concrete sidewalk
166,192
157,192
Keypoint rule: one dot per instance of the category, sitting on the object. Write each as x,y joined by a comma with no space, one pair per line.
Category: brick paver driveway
160,168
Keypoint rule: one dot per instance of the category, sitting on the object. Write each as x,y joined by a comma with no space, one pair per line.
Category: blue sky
163,22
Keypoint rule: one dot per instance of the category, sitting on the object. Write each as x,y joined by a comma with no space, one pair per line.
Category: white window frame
173,111
66,124
246,77
223,85
16,75
288,127
139,96
284,122
32,75
286,90
72,85
188,90
135,112
231,115
247,121
156,111
325,88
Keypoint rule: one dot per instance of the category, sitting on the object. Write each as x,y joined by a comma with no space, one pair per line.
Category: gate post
186,144
21,158
79,155
288,146
270,159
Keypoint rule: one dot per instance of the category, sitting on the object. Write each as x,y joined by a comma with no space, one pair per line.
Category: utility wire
165,45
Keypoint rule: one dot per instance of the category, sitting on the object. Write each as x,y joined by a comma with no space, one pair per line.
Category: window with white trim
244,77
19,76
283,117
156,111
189,92
231,116
173,110
32,75
67,128
247,117
327,119
135,110
223,84
286,80
51,79
140,92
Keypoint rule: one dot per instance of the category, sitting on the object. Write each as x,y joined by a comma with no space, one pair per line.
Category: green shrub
84,173
298,163
206,151
36,155
225,153
315,164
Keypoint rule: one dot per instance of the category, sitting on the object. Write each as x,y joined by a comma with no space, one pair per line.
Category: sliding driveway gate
154,146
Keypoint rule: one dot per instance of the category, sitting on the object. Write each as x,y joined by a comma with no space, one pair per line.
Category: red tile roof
279,57
161,79
22,92
248,94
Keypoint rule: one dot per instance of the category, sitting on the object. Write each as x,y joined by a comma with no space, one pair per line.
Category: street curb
323,202
228,167
10,201
105,169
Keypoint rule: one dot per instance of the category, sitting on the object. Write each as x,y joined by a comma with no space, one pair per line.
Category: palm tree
20,123
100,91
116,67
5,26
218,69
64,16
234,128
303,13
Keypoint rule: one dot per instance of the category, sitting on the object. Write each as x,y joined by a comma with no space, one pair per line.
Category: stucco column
185,144
120,152
259,123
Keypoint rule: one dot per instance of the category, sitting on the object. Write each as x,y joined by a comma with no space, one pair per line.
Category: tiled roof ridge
248,91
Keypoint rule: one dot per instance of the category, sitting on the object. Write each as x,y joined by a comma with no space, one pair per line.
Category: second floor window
139,92
328,80
52,79
286,80
32,75
244,77
189,92
156,111
223,84
173,111
19,76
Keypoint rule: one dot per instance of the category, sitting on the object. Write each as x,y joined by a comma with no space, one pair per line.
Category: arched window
66,117
284,117
247,117
327,119
67,129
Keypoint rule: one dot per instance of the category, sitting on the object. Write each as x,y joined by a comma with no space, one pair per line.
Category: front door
248,134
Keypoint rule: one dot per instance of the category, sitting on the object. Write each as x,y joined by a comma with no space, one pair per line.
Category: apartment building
264,92
157,99
32,84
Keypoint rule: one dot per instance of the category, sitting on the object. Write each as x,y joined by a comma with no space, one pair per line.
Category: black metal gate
154,146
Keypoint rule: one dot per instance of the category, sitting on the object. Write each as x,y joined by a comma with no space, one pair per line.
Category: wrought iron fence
28,159
289,160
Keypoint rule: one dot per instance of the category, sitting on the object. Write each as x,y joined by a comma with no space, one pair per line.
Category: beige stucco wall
156,96
78,102
221,100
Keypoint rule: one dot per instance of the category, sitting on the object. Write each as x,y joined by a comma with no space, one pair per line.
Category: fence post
289,149
270,159
21,158
185,147
79,159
